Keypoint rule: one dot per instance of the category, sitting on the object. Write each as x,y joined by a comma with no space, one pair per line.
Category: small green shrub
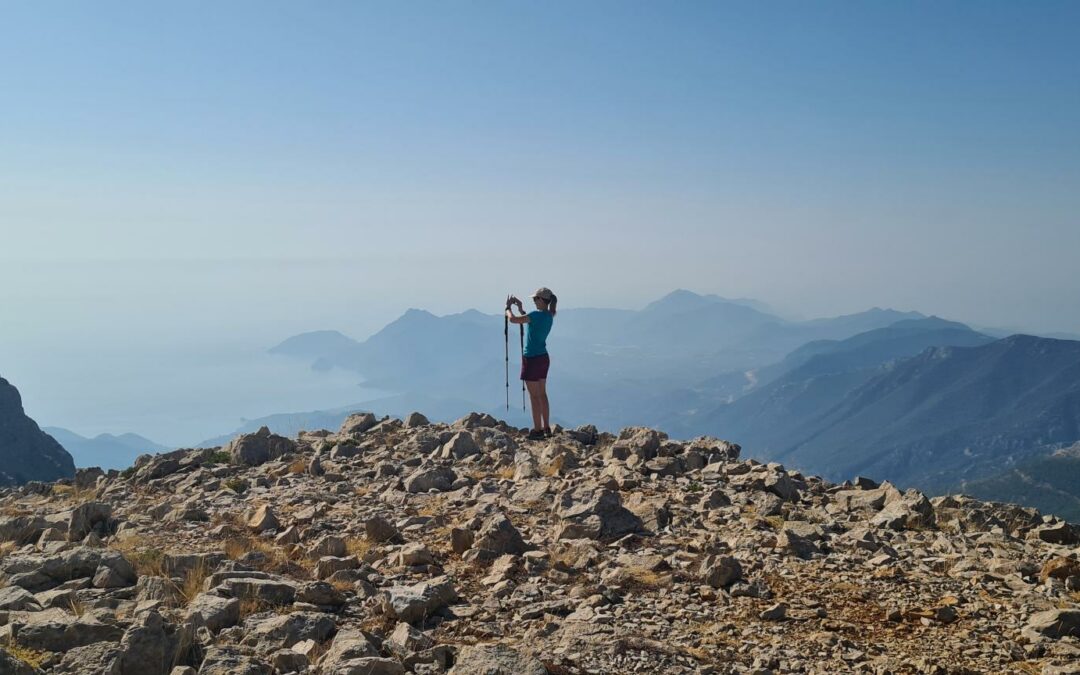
218,457
237,485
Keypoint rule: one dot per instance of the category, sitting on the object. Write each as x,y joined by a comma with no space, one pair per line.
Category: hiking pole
506,340
521,326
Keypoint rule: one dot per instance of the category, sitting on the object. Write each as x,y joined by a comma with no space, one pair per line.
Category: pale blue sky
245,170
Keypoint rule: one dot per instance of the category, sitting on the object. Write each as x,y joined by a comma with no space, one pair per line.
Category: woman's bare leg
545,413
536,402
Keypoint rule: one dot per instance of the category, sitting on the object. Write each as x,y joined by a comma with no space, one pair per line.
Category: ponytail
551,304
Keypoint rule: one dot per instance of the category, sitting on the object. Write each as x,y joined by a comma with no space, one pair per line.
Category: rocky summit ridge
399,546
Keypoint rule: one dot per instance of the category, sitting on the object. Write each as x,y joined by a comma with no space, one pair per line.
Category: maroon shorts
534,368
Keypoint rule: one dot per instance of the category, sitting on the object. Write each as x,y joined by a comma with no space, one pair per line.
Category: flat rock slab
495,659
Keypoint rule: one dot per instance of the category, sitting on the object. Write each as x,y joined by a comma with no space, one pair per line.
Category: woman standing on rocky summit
535,360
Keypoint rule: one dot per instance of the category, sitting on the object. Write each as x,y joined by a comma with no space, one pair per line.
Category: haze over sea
181,189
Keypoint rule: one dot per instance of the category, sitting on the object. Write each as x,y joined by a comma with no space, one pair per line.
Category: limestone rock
426,479
214,611
258,448
263,519
1056,623
594,514
358,423
412,603
495,659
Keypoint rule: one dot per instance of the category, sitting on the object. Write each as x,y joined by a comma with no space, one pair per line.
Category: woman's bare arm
510,302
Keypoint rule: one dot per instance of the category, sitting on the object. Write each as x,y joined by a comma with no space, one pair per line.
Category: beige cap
544,294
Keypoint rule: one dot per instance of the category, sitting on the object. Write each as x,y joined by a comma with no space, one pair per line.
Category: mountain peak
621,520
26,452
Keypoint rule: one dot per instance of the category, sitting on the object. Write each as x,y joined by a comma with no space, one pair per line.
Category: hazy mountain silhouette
1050,483
669,343
26,452
107,451
765,403
943,416
923,400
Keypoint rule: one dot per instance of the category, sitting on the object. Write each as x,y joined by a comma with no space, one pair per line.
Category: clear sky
203,171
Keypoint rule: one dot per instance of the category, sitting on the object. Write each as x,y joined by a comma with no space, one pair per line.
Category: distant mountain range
920,401
917,400
26,452
106,451
599,353
949,414
1049,483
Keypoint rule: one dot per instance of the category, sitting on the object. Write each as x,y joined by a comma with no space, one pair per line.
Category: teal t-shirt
536,333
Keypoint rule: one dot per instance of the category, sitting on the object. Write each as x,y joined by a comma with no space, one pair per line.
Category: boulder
654,512
59,636
912,510
428,478
274,592
329,545
234,660
358,423
414,420
460,445
475,420
593,513
496,537
16,599
22,529
495,659
258,448
150,646
269,632
413,603
328,565
98,658
214,611
89,517
411,555
719,571
406,640
263,519
379,530
349,646
371,665
1060,532
320,594
1056,623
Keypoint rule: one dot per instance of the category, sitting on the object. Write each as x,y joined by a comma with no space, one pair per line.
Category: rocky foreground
399,546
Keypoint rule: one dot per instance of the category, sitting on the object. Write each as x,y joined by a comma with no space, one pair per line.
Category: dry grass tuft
506,472
249,606
434,507
357,546
30,657
6,548
775,522
76,607
297,467
73,495
14,510
645,579
147,561
273,559
193,582
554,467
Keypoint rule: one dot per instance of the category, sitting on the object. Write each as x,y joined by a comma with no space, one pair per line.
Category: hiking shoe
535,435
547,432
